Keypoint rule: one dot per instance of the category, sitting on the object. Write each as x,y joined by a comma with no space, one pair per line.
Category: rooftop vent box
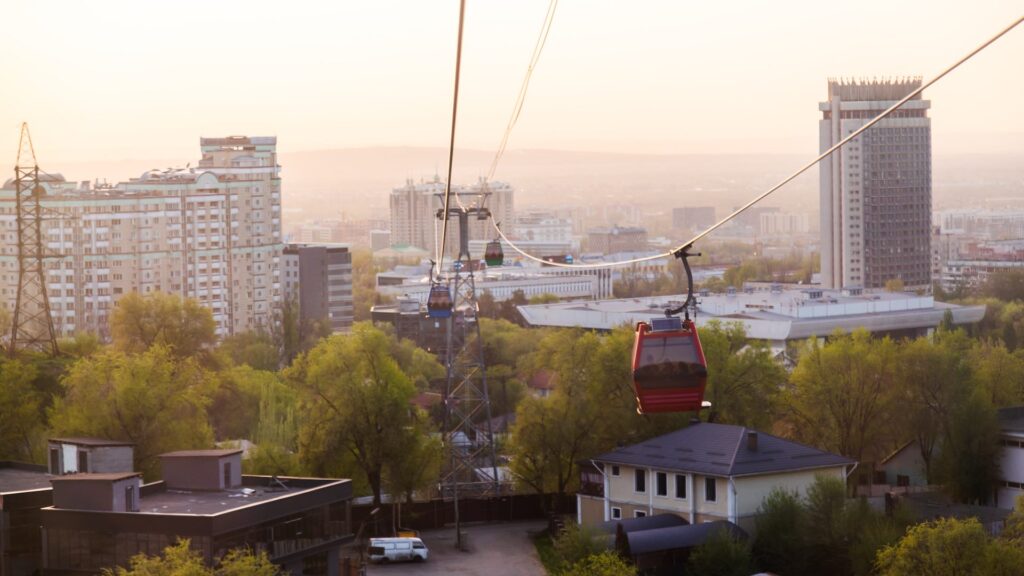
111,492
78,454
209,470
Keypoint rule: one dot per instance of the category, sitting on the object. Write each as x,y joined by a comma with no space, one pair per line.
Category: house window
639,514
710,494
902,480
616,513
661,484
640,480
681,486
615,470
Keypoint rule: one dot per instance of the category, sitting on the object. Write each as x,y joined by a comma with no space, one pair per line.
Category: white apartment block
876,190
414,213
210,232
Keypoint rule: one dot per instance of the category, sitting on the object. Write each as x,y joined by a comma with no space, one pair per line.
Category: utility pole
32,326
467,423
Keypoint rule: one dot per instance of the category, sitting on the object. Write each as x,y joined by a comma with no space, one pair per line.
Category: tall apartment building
210,232
876,191
414,213
319,278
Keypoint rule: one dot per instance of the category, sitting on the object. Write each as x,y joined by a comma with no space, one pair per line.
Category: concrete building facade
414,213
616,239
319,278
875,191
210,232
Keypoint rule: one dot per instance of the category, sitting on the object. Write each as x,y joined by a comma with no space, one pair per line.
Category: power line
451,141
517,108
785,181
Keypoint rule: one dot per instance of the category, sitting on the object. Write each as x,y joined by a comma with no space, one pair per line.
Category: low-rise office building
24,490
102,520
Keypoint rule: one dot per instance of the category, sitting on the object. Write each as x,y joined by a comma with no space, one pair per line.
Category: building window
615,470
710,494
640,480
616,513
639,514
681,486
661,484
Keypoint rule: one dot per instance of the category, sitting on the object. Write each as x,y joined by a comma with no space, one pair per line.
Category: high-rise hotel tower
876,192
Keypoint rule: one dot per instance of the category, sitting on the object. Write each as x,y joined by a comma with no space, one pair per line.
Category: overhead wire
451,141
517,108
783,182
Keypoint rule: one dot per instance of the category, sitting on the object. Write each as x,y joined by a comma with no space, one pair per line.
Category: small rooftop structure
70,455
218,469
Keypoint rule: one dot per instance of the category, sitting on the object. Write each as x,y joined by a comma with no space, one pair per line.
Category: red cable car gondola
439,301
669,369
494,255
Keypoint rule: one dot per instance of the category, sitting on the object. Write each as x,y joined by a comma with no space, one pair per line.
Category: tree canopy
182,325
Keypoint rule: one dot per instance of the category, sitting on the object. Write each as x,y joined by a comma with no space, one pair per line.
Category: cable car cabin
669,370
494,255
439,302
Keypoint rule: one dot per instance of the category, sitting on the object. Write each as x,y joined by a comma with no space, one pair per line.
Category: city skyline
343,77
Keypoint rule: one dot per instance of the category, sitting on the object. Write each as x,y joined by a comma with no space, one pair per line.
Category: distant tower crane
32,325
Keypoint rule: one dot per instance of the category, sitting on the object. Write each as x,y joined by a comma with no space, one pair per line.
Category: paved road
494,550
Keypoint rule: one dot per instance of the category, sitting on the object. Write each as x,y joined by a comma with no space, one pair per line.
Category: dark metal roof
675,537
96,477
721,450
202,453
1012,419
645,523
85,441
18,477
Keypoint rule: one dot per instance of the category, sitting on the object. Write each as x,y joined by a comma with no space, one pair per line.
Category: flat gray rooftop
215,502
19,480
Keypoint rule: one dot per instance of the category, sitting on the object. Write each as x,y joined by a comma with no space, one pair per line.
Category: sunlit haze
128,79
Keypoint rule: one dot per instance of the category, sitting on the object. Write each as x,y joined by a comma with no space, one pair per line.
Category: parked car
397,549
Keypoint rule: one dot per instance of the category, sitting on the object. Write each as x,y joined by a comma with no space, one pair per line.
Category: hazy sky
114,79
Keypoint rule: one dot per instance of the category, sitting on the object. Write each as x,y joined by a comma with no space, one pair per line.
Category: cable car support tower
32,324
473,468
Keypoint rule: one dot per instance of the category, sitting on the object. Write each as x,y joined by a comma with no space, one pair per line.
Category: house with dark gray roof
703,473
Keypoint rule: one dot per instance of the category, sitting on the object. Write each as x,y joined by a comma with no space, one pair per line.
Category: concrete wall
751,491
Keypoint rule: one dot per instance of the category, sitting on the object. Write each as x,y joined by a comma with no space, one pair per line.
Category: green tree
591,408
997,371
182,325
607,563
356,405
743,377
841,390
21,412
181,560
252,348
969,461
1006,285
276,450
234,409
153,399
781,541
944,547
933,381
576,543
721,555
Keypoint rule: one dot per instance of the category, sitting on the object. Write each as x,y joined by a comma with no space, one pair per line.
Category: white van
397,549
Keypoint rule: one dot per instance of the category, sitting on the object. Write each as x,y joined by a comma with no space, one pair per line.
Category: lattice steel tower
32,325
473,468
